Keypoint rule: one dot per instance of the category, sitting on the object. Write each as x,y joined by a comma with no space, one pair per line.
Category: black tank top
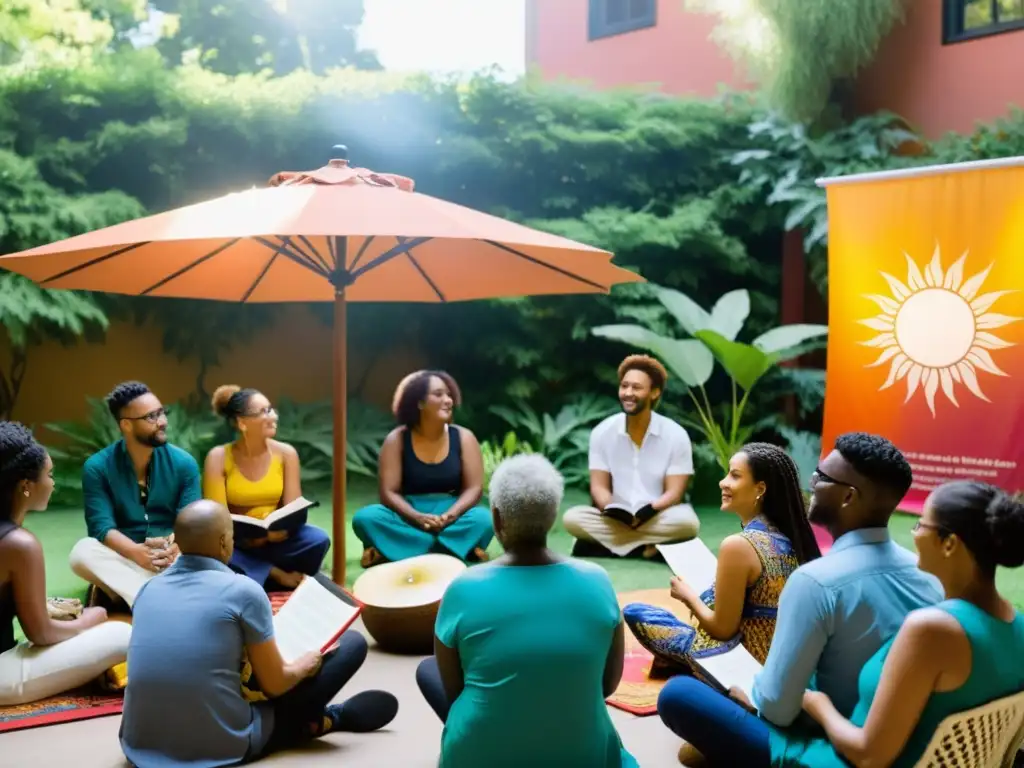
7,610
420,478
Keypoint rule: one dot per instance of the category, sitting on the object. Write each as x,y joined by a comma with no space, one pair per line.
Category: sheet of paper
310,619
735,668
692,561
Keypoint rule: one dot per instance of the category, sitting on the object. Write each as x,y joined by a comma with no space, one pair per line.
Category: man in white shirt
640,464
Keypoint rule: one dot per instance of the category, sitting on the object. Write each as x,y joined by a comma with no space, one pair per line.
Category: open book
277,520
620,510
314,617
696,565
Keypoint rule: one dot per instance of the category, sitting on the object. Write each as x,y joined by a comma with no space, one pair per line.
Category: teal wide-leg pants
388,532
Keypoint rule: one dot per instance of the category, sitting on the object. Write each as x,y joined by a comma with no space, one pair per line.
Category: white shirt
639,472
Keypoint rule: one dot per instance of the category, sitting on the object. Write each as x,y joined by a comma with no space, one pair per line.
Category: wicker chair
984,737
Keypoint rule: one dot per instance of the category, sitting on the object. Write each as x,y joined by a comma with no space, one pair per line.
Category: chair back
984,737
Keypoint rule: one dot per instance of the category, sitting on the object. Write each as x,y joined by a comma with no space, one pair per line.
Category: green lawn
60,529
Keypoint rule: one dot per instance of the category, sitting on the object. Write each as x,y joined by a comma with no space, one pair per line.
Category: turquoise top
533,641
997,670
112,497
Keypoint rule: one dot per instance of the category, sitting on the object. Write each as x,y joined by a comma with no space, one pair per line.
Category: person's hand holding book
683,592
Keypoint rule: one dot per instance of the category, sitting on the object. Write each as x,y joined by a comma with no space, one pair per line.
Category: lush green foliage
713,339
802,53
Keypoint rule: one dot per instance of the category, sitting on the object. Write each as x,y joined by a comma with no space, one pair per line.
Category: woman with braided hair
59,655
763,490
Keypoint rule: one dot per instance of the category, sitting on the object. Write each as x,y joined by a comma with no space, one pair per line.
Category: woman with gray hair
529,644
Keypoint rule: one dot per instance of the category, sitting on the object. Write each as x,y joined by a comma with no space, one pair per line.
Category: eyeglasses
820,477
268,411
921,525
152,417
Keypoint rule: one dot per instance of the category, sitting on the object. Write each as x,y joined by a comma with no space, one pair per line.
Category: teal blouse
997,670
111,492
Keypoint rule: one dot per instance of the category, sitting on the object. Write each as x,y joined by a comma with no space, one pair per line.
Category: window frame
598,28
953,30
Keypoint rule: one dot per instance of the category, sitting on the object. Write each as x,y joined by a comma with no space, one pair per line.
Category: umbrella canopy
335,234
279,245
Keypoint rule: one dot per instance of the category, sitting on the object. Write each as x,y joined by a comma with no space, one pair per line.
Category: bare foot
480,555
371,557
650,552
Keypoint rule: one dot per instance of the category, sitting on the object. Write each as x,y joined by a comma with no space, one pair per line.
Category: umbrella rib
331,252
321,259
94,262
362,250
423,273
287,242
552,267
399,250
190,266
259,278
283,250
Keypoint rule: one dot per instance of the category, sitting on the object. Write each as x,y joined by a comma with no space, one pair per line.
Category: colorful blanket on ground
86,702
638,691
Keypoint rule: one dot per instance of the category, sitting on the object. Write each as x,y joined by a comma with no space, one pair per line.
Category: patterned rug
82,704
638,692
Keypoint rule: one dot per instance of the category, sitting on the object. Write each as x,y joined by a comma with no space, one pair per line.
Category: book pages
312,618
735,668
692,561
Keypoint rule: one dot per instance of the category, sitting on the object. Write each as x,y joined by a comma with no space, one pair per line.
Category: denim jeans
723,731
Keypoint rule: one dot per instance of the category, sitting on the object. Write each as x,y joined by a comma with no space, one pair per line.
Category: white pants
100,565
678,523
31,672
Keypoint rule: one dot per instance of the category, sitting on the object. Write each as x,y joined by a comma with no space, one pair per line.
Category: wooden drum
400,601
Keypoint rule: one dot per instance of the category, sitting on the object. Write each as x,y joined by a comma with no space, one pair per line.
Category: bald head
204,528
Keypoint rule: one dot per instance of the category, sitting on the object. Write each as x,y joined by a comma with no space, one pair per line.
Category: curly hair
988,520
230,401
783,503
413,390
123,394
878,460
645,364
21,458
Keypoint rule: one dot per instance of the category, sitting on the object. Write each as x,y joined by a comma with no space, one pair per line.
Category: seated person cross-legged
431,480
59,655
835,613
254,476
194,628
132,491
955,656
762,489
528,645
640,463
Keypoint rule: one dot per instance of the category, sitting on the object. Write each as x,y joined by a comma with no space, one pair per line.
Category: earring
26,492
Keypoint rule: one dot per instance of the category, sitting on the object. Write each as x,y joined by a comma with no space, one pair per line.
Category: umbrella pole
340,405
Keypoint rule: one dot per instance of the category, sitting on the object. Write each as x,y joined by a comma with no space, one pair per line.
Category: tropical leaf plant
713,338
563,438
310,428
495,452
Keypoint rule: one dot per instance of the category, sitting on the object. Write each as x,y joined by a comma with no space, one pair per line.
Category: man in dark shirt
133,490
193,627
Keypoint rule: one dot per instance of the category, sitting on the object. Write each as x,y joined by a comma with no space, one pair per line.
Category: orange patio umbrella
334,234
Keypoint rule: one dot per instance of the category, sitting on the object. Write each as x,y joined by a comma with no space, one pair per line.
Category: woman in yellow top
254,476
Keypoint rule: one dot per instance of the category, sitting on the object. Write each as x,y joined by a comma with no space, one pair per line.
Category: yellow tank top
259,498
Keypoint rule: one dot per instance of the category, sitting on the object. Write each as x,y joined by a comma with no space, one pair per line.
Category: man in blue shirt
133,490
834,612
193,628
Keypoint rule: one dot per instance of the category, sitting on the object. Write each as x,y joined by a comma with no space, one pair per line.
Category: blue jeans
717,726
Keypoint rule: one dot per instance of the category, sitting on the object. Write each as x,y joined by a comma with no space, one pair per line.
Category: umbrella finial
339,155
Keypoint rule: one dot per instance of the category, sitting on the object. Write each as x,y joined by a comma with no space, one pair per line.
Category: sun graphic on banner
935,330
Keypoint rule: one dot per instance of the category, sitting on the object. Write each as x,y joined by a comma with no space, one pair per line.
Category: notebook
314,617
697,566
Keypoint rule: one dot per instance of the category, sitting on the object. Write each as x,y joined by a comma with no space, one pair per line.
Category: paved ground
411,741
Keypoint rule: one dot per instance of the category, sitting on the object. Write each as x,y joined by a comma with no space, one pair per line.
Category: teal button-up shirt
113,501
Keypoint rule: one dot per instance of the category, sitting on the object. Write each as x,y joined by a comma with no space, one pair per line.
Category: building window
971,19
615,17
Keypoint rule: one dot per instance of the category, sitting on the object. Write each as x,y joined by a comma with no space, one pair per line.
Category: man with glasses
133,490
834,612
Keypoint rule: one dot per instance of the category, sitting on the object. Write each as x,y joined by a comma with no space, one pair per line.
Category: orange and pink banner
926,319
